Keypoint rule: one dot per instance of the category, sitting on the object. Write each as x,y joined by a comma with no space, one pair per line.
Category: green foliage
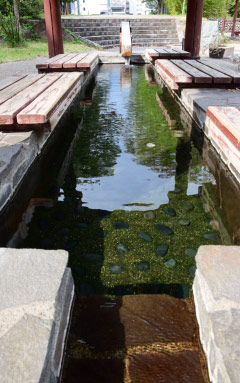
9,30
31,8
214,8
174,6
231,8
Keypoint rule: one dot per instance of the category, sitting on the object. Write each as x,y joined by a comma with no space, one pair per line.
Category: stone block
36,297
216,295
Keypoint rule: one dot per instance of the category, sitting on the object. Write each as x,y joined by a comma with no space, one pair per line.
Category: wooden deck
35,102
204,73
72,62
166,53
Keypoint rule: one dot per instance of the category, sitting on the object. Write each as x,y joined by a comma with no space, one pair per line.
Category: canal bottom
132,212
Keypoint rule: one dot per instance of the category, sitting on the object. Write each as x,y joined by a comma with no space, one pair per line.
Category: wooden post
193,27
235,18
53,27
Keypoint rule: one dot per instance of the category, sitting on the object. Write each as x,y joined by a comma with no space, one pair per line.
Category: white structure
97,7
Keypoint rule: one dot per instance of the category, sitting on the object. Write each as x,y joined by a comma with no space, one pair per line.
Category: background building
97,7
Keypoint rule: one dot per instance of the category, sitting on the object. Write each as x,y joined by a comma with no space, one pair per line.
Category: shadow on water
131,214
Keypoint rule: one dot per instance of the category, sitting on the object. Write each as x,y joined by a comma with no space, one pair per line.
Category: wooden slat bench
72,62
222,127
197,74
166,53
37,101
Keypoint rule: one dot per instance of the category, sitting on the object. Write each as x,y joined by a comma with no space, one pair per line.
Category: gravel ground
19,67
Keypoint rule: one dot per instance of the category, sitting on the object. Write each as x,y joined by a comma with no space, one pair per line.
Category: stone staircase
146,32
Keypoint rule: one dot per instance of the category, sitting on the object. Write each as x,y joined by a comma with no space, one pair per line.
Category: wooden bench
72,62
222,127
35,102
166,53
197,74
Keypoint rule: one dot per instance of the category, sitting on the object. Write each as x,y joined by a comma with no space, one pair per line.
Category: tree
214,8
155,5
231,8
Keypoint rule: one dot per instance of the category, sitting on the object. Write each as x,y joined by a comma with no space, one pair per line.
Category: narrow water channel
131,210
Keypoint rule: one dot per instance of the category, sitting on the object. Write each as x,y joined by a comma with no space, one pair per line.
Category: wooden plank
177,74
224,67
90,59
152,53
162,53
198,76
182,52
59,63
41,109
218,77
17,87
172,53
72,63
45,64
10,108
4,83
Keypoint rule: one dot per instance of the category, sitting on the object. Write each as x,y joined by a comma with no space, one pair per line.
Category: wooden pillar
235,18
53,27
193,27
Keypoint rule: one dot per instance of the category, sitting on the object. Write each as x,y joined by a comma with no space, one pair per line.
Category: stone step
151,338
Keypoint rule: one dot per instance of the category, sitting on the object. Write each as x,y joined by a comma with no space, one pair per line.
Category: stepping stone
70,244
121,225
184,222
170,263
170,211
190,252
116,269
63,231
212,237
143,266
122,248
192,270
149,215
82,225
145,236
164,229
188,206
162,250
93,257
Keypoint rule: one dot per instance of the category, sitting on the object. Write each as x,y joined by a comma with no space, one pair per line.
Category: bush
30,8
8,27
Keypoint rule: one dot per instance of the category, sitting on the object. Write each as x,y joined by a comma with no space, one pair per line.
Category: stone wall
228,25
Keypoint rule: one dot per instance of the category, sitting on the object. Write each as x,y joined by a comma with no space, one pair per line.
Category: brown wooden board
198,76
59,63
10,108
72,63
17,87
4,83
41,109
177,74
45,64
152,53
223,66
182,53
218,77
172,53
162,53
88,61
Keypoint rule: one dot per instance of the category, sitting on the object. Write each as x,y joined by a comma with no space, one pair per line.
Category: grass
33,49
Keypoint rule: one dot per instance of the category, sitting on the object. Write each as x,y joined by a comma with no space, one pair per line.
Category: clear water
134,175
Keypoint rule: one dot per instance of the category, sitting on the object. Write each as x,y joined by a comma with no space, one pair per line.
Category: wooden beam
53,27
193,27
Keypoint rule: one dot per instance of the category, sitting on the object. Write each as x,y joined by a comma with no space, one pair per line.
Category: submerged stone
63,231
149,215
86,289
121,225
170,211
190,252
164,229
188,206
162,250
184,222
116,269
122,248
145,236
93,257
192,270
212,237
143,266
183,291
104,213
170,263
70,244
82,225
